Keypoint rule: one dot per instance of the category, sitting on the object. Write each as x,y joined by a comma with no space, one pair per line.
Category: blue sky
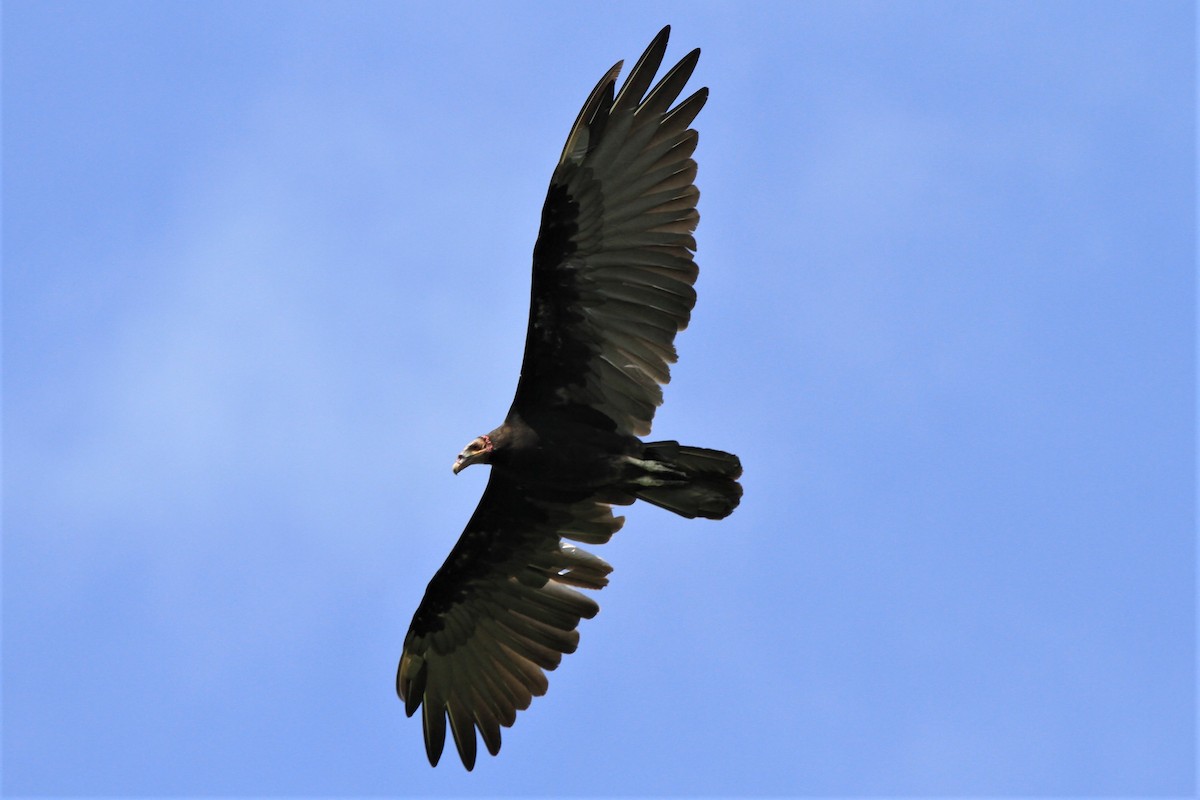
266,272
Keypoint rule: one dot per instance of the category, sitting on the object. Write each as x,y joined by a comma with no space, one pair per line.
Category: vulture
613,272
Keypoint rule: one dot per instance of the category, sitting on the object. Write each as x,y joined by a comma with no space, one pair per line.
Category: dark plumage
612,285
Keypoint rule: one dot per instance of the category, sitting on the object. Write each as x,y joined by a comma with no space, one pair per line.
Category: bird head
479,451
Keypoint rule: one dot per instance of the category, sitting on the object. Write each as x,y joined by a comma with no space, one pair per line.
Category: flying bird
612,284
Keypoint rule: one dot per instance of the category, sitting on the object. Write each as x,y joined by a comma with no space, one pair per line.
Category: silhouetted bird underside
613,273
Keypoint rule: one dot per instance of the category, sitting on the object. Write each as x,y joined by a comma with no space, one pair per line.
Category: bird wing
612,268
500,611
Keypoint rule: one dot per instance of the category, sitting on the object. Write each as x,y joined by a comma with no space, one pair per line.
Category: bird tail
691,481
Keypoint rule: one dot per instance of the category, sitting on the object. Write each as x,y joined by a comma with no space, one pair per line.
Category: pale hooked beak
478,451
464,460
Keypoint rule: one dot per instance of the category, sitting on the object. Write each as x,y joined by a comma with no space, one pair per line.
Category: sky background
266,271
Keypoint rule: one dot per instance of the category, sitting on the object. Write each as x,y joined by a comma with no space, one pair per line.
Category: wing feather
667,90
643,72
462,724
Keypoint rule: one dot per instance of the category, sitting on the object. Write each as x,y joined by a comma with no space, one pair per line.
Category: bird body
575,457
559,452
612,285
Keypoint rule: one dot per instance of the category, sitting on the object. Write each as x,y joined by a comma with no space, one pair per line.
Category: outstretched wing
612,267
499,612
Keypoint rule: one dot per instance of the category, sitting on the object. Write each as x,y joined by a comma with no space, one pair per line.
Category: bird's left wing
613,268
500,612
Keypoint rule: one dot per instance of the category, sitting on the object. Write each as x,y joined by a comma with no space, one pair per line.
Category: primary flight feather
612,285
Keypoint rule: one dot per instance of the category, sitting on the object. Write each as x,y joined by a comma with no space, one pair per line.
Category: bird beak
474,453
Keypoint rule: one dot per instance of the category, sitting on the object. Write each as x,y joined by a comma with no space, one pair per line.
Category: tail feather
690,481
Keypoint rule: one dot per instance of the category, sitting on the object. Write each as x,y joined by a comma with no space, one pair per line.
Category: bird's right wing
499,612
